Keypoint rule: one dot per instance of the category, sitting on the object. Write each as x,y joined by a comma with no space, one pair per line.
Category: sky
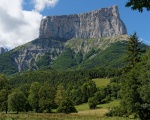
20,19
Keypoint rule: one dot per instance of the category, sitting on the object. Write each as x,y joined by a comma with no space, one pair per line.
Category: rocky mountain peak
105,22
3,50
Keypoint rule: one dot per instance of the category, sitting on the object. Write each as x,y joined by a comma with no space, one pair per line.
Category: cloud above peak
39,5
18,26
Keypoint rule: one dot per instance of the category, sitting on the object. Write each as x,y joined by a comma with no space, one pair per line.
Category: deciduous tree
34,96
46,95
66,106
16,101
60,94
4,98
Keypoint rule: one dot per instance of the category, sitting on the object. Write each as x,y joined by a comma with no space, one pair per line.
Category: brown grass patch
99,112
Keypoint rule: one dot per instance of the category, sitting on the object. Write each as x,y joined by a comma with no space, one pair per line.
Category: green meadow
101,82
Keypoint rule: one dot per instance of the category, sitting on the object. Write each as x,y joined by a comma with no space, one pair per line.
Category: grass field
77,116
101,82
84,113
107,105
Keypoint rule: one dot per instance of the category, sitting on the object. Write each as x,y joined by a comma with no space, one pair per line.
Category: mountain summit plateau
96,24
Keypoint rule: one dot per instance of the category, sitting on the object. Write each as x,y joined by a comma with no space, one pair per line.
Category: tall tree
144,88
5,90
4,98
46,95
88,89
25,89
16,101
131,100
34,96
133,51
60,94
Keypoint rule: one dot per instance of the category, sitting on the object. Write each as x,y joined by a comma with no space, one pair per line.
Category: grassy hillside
107,105
101,82
6,64
113,56
65,60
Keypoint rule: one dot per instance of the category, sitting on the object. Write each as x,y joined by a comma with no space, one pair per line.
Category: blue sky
20,19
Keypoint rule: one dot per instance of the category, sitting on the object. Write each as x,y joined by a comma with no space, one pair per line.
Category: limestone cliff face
99,23
26,56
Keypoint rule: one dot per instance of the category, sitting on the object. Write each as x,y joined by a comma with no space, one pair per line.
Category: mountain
96,24
71,42
3,50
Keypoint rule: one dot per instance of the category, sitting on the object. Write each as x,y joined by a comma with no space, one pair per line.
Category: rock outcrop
26,56
96,24
3,50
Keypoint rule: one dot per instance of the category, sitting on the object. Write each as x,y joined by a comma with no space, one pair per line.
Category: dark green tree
4,98
130,101
100,95
5,90
3,81
46,95
92,102
16,101
144,89
114,88
34,96
25,89
133,51
66,106
88,89
138,4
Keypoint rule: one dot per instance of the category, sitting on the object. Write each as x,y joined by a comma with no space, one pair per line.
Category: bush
92,102
115,111
66,107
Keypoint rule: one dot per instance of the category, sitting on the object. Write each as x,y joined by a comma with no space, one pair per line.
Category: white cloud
41,4
18,26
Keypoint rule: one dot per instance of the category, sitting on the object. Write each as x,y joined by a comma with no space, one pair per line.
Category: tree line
44,97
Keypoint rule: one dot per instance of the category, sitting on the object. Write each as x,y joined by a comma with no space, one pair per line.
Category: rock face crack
96,24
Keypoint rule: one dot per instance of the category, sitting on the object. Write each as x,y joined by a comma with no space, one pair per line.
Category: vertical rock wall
99,23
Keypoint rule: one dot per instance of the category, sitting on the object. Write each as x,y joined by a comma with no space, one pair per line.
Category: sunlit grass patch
101,82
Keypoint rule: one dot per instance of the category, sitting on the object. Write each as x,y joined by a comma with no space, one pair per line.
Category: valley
82,66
